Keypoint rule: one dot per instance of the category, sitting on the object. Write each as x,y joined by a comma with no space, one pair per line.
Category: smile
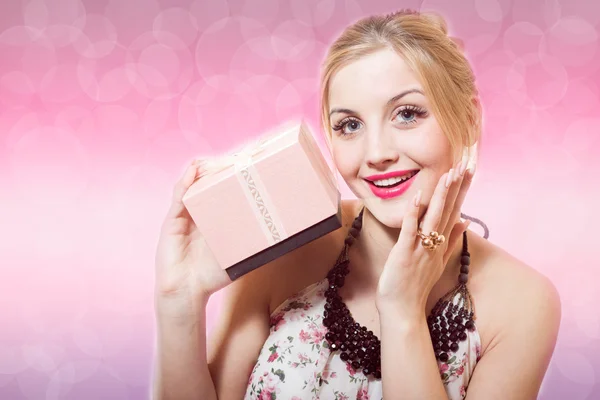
392,187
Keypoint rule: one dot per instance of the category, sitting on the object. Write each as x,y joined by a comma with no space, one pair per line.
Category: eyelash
420,112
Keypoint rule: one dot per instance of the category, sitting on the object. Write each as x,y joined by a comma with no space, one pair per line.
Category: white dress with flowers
295,362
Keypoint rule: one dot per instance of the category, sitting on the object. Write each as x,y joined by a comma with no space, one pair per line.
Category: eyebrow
390,101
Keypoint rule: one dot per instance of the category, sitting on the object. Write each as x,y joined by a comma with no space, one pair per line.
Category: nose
380,151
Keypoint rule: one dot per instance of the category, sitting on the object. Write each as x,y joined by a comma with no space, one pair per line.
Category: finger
454,237
180,188
410,223
453,191
462,194
433,215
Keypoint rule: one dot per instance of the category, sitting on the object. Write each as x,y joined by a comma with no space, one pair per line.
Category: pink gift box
270,198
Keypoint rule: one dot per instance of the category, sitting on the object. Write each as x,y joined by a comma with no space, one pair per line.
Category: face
382,124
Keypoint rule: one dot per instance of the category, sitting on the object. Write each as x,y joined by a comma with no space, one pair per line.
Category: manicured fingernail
418,198
463,165
472,166
449,177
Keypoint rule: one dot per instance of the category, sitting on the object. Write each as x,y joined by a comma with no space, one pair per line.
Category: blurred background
103,102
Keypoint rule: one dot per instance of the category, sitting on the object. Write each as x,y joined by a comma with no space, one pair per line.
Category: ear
477,103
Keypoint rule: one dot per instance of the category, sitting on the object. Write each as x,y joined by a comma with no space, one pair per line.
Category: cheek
434,140
346,161
433,152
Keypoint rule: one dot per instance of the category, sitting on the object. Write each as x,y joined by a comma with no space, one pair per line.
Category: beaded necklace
360,348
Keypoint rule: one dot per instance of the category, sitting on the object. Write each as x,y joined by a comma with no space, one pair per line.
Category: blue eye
349,121
411,113
408,113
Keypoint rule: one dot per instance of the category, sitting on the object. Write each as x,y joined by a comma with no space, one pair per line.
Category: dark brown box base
293,242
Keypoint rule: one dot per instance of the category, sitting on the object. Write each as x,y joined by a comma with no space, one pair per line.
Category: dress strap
486,231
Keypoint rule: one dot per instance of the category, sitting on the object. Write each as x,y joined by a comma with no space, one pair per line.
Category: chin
389,214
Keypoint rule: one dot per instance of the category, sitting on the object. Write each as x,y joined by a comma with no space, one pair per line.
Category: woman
400,108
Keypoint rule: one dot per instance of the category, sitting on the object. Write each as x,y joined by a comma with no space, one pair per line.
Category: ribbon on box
252,186
257,195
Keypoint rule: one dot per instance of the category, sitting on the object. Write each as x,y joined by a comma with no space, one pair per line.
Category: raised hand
186,270
411,270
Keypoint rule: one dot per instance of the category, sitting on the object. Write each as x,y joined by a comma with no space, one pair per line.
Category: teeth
393,181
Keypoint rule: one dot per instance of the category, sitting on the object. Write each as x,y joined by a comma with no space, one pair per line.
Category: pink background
103,102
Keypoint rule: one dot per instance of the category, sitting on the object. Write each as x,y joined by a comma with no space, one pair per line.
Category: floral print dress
295,362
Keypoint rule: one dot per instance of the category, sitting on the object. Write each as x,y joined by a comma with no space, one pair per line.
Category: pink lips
388,175
386,193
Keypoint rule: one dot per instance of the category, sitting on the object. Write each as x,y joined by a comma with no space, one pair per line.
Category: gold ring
432,241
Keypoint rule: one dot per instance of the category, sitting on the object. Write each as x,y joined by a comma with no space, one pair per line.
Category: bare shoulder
518,318
307,264
509,294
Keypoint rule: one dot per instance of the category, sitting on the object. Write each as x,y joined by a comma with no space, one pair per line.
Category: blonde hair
422,40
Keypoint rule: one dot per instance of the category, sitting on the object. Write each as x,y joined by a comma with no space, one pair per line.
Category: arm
186,369
514,365
240,333
181,368
408,365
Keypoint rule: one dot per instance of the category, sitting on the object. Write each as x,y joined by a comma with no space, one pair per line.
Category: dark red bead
463,278
462,336
454,347
360,347
470,325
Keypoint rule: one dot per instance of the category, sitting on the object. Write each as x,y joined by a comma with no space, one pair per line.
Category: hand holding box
270,198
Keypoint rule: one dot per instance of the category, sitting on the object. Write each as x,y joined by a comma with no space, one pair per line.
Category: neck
371,251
